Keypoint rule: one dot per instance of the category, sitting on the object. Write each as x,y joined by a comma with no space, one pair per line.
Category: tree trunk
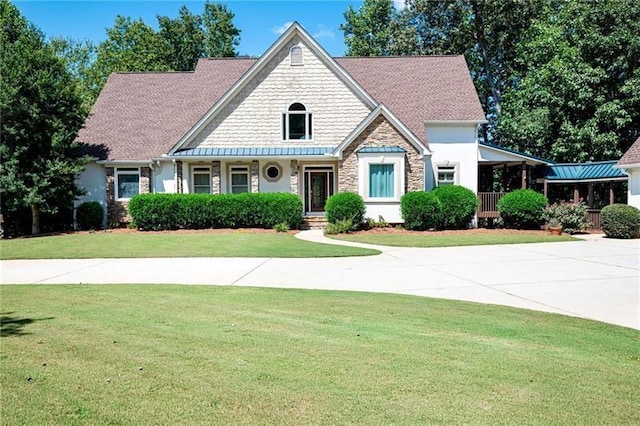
482,47
35,219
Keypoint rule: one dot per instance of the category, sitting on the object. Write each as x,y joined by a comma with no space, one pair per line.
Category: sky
260,22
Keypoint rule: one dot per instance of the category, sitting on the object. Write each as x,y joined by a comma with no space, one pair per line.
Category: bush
340,227
522,209
420,210
571,216
345,205
458,204
155,212
620,221
90,215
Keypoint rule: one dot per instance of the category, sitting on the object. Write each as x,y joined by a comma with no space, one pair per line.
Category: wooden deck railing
489,204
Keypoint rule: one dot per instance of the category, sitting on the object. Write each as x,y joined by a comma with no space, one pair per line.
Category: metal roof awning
381,149
584,172
253,152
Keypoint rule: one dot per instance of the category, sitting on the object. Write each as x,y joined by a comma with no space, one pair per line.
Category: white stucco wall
164,177
633,193
283,184
389,211
93,180
254,117
455,145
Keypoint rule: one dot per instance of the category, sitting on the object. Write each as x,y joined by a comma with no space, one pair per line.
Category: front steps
313,222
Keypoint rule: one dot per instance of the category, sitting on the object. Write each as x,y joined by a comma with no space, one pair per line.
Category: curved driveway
598,278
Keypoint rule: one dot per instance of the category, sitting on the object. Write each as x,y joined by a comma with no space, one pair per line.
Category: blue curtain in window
381,180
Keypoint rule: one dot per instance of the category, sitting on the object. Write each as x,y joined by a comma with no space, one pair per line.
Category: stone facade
380,133
293,178
179,188
117,211
215,177
254,116
255,176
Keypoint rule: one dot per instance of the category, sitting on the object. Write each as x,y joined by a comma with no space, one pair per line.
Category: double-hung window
297,123
239,180
382,180
201,178
446,175
127,183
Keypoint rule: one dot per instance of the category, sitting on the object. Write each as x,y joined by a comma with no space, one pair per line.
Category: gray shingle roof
632,156
139,116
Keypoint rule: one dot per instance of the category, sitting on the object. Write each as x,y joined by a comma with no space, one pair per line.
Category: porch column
576,193
590,196
179,177
255,176
546,189
612,198
145,180
215,177
293,178
523,184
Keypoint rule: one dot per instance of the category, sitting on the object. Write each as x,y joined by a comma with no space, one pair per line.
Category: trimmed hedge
458,205
158,212
420,210
90,215
345,206
620,221
522,208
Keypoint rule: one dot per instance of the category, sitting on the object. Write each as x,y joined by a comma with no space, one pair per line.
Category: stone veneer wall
293,178
380,133
117,210
215,177
255,176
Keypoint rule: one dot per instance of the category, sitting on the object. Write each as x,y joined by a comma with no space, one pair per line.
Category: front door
318,190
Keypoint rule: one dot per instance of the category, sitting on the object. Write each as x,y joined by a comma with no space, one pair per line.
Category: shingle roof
632,156
253,151
139,116
601,170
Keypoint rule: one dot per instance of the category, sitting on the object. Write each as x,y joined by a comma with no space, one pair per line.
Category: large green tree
41,114
578,97
368,30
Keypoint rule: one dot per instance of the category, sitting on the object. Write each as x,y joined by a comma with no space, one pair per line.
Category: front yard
123,243
131,354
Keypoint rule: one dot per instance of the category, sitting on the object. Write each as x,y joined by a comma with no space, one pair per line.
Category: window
272,172
381,180
297,123
446,175
201,179
239,180
381,177
127,183
296,55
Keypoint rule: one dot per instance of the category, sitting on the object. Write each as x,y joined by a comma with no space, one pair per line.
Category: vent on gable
296,55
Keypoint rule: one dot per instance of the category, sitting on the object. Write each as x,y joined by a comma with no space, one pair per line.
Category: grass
132,354
428,239
107,244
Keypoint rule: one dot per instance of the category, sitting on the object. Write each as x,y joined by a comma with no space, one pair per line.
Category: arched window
296,55
297,123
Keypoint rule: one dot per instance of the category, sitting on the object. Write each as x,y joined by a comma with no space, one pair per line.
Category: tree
184,39
221,37
578,98
78,57
368,31
41,114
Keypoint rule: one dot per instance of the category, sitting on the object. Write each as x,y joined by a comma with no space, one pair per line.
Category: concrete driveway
597,278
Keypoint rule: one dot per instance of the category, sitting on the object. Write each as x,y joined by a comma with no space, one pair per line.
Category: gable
254,116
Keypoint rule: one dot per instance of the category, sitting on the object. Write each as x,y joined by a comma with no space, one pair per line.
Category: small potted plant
554,226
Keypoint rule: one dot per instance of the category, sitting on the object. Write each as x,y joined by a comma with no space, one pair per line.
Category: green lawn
433,239
226,355
106,244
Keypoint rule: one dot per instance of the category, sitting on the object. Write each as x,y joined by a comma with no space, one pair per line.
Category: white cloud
282,28
323,32
400,4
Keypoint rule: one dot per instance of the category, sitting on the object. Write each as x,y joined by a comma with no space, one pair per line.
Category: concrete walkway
597,279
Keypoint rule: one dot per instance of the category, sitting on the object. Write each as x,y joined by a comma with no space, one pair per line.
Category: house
631,162
294,120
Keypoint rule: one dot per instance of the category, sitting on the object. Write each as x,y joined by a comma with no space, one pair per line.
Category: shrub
571,216
342,226
620,221
345,205
458,204
522,208
196,211
281,227
90,215
420,210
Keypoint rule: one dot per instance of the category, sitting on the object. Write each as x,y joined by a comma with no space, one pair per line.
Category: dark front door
318,190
